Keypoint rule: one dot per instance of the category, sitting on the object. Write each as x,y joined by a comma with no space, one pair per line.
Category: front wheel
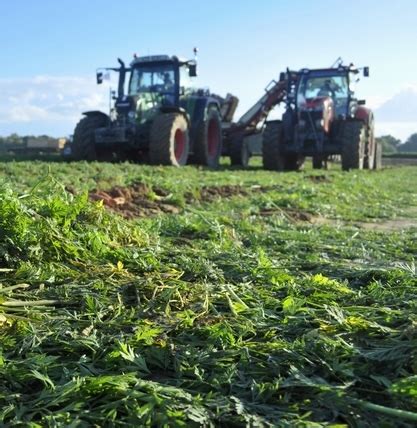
208,142
83,145
272,158
239,153
169,140
293,162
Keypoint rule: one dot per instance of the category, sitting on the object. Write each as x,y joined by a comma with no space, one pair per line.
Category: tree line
391,144
16,139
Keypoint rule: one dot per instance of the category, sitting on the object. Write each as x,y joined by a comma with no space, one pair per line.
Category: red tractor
322,119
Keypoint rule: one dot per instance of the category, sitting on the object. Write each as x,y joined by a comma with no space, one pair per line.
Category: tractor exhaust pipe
122,77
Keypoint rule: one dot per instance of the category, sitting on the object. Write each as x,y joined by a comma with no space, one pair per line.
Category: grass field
150,296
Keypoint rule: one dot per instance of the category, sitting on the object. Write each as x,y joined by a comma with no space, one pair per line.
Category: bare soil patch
319,178
211,193
140,200
299,216
135,201
388,225
292,214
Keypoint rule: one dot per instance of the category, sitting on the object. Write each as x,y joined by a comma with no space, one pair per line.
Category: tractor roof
154,59
340,69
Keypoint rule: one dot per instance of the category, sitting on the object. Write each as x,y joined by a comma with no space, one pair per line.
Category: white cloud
54,104
48,104
375,101
27,113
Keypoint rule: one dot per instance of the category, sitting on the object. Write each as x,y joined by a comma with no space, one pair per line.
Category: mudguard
95,113
198,106
363,113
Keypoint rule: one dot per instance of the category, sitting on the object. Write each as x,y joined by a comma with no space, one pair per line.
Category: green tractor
161,119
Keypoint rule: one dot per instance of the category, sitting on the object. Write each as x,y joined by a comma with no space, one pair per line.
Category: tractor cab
330,85
317,88
157,82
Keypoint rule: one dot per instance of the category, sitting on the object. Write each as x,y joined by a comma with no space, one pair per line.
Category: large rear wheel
370,147
378,156
169,141
353,139
83,145
208,142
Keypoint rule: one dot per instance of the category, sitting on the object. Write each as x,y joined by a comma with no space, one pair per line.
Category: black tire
317,162
208,141
378,156
353,140
83,145
272,158
239,153
320,162
169,140
293,162
370,147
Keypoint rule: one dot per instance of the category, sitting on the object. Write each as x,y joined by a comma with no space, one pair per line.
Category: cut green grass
237,312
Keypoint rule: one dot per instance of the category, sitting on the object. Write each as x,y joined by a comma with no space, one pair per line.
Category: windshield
152,78
324,85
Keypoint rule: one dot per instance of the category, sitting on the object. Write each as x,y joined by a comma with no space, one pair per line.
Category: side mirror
192,70
361,102
282,76
366,71
99,78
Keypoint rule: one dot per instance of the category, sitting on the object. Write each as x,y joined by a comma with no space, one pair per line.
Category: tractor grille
311,116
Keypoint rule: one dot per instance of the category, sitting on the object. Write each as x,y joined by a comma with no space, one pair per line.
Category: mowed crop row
255,299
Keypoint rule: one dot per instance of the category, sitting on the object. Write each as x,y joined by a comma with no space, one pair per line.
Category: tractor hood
124,105
317,103
318,110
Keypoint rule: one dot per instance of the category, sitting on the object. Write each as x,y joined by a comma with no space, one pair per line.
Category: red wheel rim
179,144
213,138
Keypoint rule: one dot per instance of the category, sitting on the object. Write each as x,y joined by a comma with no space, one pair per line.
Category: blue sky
50,49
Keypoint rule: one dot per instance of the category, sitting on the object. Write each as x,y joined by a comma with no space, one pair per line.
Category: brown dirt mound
211,193
319,178
227,191
291,214
140,200
135,201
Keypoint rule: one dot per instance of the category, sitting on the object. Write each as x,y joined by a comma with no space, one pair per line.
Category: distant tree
410,145
14,139
389,143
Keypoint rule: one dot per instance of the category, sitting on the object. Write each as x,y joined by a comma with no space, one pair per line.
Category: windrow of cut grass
235,312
